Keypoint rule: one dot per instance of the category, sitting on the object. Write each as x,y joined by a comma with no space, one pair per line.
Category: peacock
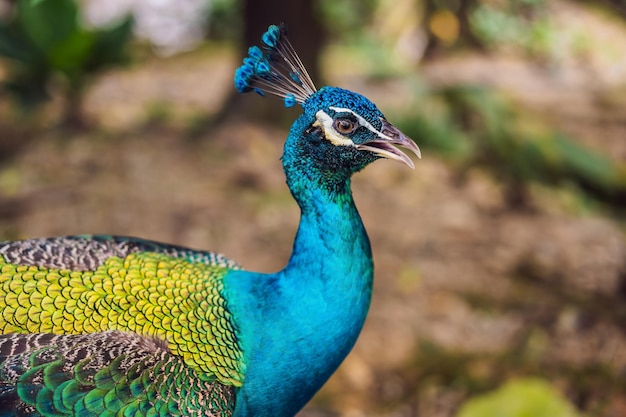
98,325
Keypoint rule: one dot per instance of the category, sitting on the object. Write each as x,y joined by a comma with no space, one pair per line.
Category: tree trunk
73,112
305,31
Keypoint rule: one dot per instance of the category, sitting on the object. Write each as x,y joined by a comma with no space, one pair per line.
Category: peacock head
340,130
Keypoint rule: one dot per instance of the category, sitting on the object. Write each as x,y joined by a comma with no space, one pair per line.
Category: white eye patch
324,121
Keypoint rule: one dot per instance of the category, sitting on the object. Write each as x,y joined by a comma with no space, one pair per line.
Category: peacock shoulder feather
77,285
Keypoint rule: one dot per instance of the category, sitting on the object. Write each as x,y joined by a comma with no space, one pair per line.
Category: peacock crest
275,68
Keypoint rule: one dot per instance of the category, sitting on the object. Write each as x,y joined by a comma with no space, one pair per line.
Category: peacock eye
345,126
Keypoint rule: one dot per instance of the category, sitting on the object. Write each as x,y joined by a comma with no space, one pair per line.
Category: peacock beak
385,145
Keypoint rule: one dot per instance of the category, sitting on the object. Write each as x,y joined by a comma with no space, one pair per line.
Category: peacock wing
103,374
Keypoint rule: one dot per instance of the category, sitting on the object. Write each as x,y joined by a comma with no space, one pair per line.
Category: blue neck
297,325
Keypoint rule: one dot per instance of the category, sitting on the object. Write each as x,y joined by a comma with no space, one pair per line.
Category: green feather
45,403
94,401
71,393
26,387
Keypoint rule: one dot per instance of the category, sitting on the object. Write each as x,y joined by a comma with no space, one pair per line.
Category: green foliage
347,18
529,397
520,24
44,39
475,127
468,375
225,19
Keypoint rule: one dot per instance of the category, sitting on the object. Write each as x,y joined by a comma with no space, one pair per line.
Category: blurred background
500,261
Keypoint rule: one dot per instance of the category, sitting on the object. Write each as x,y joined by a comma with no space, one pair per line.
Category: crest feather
275,68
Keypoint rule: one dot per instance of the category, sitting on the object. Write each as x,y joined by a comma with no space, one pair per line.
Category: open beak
383,146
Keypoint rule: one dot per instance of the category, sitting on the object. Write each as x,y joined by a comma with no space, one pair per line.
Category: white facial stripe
326,123
361,121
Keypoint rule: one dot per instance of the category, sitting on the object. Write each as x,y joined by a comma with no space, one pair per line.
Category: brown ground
467,292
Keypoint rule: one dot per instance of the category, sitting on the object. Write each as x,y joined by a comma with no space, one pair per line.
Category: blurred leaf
106,46
477,127
28,88
48,22
437,133
348,17
224,19
13,46
521,24
586,165
72,53
528,397
44,40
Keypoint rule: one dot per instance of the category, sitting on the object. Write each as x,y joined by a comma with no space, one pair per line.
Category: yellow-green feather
148,293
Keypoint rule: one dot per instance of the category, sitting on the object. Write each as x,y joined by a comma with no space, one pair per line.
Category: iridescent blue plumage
297,325
271,37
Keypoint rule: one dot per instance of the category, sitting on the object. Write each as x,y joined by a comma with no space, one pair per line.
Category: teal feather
275,68
187,332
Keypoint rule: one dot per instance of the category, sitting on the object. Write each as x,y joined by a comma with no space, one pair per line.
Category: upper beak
384,144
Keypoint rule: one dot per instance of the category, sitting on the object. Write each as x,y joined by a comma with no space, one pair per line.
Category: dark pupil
344,125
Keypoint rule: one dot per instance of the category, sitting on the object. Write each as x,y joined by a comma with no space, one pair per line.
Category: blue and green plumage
116,326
